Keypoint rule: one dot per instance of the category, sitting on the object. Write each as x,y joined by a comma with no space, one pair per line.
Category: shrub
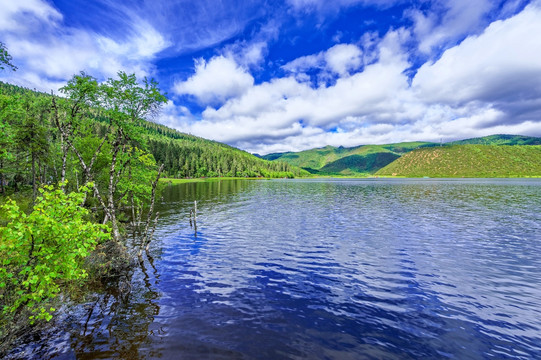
44,249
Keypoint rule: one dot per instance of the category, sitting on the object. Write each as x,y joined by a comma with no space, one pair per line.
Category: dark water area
326,269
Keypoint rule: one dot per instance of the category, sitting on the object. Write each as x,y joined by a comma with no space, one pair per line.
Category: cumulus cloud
286,108
341,59
215,81
500,66
489,83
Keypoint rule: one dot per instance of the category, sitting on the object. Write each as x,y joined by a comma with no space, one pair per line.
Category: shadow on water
118,323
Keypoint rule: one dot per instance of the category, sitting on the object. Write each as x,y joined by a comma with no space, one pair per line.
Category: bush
44,250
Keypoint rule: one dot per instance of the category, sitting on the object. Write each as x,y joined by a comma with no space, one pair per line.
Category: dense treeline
183,155
27,137
184,159
188,156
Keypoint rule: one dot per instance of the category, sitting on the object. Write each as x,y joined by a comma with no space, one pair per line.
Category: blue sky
270,76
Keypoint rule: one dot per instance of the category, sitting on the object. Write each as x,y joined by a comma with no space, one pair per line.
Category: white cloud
305,63
215,81
48,53
145,43
340,59
16,15
490,83
500,65
287,109
343,58
447,21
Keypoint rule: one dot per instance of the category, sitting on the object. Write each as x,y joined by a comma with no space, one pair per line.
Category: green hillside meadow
501,139
468,161
330,160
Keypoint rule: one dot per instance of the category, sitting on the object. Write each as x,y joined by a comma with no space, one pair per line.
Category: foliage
113,155
468,161
44,249
195,157
5,58
87,115
24,139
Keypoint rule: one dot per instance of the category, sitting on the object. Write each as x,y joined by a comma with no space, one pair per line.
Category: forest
31,145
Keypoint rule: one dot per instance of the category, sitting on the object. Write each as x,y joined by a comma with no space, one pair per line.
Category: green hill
500,139
190,156
468,161
330,160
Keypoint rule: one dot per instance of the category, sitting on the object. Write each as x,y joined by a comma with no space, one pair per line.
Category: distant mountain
330,160
354,164
468,161
368,159
499,140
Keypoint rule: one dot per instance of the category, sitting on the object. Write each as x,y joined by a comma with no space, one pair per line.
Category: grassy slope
468,161
500,140
346,161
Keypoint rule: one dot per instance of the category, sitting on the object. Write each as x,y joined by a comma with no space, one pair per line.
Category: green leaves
44,249
5,58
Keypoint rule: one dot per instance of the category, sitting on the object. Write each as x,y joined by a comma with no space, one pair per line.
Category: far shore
213,179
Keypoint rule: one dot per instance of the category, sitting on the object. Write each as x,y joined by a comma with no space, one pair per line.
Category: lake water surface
327,269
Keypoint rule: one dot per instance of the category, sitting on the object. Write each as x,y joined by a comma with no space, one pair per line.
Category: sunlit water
326,269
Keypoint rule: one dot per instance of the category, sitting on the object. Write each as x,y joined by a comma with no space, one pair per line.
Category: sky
273,76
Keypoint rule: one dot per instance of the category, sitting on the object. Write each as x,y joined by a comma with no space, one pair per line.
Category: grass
474,161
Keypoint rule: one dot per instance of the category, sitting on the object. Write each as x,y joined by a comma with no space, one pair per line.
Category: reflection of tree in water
118,323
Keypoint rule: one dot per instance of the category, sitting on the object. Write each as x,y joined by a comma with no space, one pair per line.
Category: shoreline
174,181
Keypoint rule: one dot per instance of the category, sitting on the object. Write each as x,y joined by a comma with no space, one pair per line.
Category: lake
326,269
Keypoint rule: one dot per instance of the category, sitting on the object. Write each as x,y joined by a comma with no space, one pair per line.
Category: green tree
44,249
6,138
5,58
120,103
31,134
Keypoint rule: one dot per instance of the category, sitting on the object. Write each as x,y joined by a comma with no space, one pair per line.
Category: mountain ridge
369,159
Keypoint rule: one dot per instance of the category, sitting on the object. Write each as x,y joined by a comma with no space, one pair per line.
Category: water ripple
343,269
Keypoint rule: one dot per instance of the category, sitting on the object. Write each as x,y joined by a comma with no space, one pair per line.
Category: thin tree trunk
111,200
2,176
44,173
146,238
34,184
64,160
